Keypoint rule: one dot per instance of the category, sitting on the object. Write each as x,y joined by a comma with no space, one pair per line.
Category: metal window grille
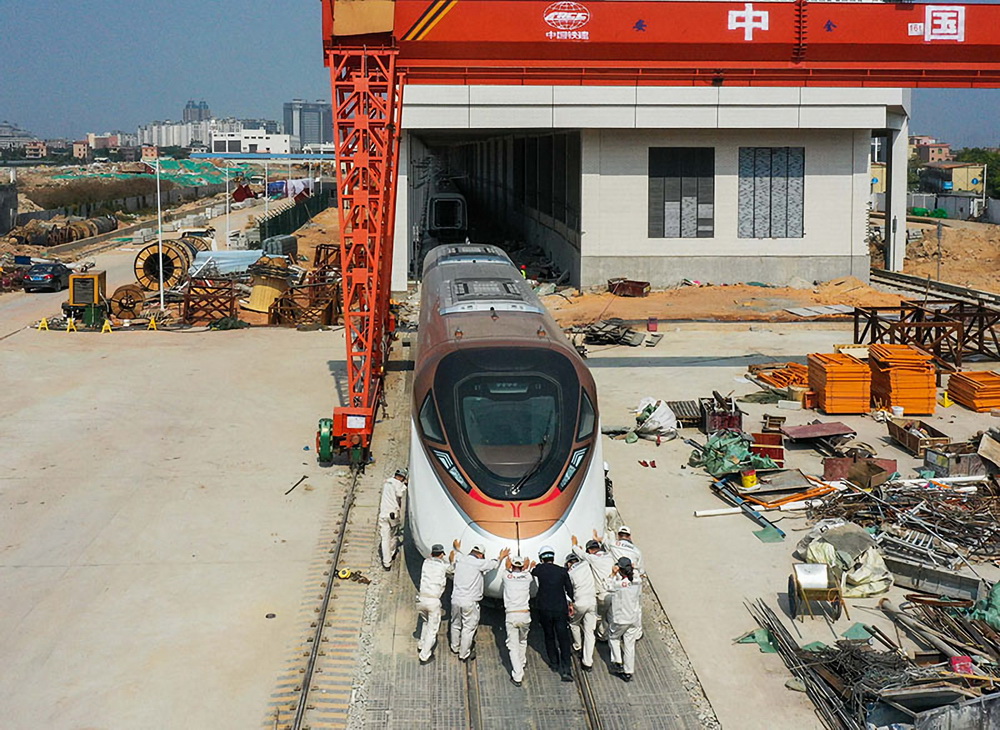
771,198
681,192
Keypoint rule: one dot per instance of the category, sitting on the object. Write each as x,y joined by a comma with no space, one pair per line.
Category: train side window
430,424
586,427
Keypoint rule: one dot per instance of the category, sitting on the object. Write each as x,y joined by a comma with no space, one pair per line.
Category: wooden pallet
208,300
306,304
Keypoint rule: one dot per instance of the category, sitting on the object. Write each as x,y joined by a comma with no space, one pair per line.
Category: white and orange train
505,436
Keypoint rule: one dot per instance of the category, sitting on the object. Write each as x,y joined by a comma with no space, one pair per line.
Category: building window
771,192
681,192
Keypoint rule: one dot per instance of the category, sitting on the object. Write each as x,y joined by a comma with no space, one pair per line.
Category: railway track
476,712
930,287
319,683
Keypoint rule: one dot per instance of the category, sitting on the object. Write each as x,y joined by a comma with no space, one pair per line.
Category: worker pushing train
433,579
583,622
554,602
466,593
625,587
389,515
601,562
623,547
517,583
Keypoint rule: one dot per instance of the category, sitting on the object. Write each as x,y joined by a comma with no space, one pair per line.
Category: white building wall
615,239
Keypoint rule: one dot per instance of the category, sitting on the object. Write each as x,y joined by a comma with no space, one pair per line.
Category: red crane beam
687,42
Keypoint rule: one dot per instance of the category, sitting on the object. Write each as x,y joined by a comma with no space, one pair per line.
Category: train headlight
449,466
574,465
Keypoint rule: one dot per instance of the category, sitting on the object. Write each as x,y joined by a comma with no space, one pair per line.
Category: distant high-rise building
311,122
268,125
196,112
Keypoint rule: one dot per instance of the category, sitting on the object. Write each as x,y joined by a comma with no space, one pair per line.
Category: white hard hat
517,561
477,548
624,530
547,551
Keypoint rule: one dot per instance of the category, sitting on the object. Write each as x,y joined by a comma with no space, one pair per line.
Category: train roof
463,253
487,280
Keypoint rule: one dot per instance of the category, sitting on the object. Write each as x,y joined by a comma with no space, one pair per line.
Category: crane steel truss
367,102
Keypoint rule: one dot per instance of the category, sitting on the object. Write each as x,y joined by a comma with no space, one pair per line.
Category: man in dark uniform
554,600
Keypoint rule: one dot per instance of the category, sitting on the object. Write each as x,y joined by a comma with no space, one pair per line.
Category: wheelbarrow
815,582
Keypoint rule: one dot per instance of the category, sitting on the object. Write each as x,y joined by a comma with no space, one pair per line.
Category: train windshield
510,417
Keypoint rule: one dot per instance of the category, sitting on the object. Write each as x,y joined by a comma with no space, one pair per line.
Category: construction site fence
129,205
290,220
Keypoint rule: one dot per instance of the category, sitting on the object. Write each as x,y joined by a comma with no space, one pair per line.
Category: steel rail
473,699
926,286
586,691
324,608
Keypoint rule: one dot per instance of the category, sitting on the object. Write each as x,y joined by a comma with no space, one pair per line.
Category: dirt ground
719,303
970,254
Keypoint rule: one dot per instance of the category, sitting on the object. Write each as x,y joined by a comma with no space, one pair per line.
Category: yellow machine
87,288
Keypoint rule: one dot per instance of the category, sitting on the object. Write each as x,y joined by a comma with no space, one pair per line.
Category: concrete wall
615,227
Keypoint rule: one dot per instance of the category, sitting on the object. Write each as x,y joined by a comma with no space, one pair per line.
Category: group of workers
595,595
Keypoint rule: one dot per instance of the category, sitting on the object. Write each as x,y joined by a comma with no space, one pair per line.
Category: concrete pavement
705,568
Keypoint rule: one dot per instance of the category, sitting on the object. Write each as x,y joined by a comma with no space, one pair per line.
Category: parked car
46,276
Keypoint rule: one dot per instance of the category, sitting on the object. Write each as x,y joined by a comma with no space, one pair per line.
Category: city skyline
105,71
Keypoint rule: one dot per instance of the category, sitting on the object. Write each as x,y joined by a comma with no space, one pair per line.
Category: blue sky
77,66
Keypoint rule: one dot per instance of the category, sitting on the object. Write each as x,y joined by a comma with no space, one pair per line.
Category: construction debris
610,332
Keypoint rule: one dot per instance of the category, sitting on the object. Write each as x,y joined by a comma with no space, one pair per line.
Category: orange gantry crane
372,46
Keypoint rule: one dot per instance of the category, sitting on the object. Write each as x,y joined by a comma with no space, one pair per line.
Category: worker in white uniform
466,593
390,514
625,587
516,594
601,563
623,547
583,621
433,579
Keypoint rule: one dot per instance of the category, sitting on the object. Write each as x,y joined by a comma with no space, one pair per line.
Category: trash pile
855,686
614,332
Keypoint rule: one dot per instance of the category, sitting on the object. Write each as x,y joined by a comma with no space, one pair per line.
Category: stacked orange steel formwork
903,376
842,383
781,375
979,391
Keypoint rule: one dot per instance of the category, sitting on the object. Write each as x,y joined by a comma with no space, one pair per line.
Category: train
505,446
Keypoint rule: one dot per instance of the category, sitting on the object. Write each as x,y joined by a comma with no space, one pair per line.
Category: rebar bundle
964,521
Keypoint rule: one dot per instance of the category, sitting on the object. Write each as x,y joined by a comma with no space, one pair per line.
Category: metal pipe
890,608
159,229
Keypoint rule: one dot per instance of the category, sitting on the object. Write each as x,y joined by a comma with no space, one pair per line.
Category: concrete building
953,177
102,141
81,150
254,141
878,177
934,152
310,122
149,152
270,126
196,112
13,137
36,150
661,184
184,134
